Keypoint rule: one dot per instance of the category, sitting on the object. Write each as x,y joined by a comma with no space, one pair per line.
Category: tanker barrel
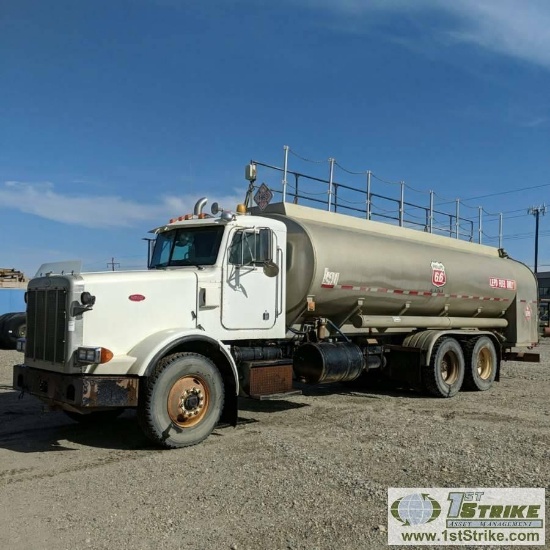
386,321
401,278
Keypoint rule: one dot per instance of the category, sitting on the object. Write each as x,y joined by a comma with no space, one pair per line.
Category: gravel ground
308,472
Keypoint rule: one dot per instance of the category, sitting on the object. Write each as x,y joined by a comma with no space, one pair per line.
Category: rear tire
444,375
481,364
181,402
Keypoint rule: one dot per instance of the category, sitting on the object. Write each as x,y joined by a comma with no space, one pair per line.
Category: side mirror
215,208
271,269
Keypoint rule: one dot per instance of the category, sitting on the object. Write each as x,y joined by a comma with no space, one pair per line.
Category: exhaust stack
199,206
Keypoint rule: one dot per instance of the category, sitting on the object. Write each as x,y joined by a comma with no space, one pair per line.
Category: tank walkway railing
363,202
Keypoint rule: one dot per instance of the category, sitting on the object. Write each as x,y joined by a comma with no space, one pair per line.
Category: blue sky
117,115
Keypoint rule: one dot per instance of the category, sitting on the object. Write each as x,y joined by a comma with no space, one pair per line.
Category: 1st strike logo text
466,510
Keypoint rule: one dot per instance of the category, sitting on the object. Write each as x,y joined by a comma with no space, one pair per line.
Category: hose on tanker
305,333
297,332
338,330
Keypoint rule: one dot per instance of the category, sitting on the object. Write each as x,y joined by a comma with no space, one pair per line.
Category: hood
132,305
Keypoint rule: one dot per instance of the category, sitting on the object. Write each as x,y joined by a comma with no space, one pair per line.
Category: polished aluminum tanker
377,276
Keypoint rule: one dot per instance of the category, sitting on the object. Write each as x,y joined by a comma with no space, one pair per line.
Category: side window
263,245
250,247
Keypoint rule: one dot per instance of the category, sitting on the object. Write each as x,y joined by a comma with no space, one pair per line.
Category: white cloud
513,27
41,199
517,28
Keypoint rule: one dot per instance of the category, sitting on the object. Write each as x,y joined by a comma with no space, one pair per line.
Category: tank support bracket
341,321
405,308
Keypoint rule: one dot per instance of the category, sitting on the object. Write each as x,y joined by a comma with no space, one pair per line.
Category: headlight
88,355
93,355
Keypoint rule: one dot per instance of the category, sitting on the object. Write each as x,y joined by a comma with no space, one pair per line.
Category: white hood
132,305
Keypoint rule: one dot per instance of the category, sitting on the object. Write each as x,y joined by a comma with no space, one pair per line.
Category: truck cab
95,340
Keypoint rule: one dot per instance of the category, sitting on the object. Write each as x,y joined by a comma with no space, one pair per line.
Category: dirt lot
309,472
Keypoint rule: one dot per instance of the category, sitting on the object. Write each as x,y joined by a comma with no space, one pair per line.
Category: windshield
187,246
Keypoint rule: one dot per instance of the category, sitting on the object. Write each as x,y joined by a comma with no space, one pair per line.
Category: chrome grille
46,322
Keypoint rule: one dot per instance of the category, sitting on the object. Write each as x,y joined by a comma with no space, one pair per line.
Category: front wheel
181,402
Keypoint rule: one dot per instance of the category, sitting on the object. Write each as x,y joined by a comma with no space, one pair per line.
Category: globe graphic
415,509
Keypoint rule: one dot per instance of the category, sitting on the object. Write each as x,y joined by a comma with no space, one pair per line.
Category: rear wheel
444,375
481,364
181,402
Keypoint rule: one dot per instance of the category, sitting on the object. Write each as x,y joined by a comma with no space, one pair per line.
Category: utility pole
112,264
537,211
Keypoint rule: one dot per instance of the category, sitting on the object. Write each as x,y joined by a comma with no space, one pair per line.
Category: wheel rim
188,401
450,368
484,364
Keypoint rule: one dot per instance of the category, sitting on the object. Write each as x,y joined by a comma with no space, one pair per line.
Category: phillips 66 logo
439,278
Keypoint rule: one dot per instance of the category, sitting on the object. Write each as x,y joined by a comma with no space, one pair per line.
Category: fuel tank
337,261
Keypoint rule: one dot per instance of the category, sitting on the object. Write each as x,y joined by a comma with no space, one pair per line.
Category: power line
508,192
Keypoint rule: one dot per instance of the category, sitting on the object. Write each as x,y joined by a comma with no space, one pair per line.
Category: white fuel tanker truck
253,303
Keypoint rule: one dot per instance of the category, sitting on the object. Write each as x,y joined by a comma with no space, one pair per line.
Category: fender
155,346
426,340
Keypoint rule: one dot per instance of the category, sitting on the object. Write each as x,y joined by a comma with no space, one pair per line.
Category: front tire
181,402
444,375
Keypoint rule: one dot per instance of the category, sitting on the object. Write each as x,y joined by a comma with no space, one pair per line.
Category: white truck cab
93,339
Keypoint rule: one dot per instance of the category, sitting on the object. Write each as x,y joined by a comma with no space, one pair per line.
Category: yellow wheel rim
188,401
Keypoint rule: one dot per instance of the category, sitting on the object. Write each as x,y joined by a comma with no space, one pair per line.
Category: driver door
249,296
